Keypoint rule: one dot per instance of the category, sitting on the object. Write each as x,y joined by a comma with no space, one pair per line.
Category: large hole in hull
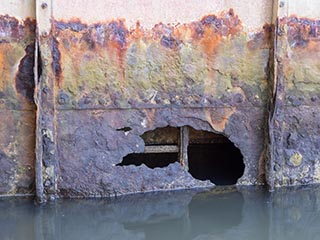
209,156
161,149
214,157
221,163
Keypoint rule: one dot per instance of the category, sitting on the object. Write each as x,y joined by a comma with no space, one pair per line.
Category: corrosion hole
214,157
208,156
124,129
161,149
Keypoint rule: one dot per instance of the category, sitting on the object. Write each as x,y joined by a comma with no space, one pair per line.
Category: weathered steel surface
102,76
184,143
165,136
106,78
17,109
295,121
206,63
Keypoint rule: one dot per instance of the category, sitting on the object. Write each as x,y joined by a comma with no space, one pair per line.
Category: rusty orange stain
210,41
117,41
115,37
2,68
219,118
301,31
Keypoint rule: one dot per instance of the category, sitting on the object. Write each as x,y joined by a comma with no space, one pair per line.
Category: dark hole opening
151,160
167,138
210,156
220,162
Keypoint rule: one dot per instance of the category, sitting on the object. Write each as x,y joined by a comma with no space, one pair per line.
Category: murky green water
246,214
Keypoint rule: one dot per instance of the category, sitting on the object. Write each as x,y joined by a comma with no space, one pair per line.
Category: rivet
44,5
47,183
281,4
45,90
102,101
44,34
63,98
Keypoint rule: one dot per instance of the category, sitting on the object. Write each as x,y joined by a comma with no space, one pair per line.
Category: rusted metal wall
144,65
294,125
17,109
105,66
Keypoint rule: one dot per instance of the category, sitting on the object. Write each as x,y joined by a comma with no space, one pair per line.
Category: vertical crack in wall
269,152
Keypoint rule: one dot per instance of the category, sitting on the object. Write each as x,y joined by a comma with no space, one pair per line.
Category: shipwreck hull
85,87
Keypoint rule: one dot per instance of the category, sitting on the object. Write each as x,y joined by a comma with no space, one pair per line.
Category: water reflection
248,213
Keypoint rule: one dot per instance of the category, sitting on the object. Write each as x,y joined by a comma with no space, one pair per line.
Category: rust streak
116,36
262,39
56,60
24,81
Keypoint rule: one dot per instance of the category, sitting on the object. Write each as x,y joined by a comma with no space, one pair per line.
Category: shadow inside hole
221,163
151,160
211,156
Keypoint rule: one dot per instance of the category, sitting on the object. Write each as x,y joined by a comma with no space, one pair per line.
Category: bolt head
44,5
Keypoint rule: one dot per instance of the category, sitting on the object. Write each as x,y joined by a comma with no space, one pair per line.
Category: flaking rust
302,32
121,68
105,84
17,110
17,42
56,67
208,74
24,81
302,71
296,120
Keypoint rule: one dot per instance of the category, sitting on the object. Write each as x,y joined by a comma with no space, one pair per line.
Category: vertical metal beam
38,162
276,115
44,98
184,143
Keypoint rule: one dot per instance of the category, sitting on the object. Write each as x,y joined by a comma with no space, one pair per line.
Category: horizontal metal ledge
199,141
161,149
160,107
